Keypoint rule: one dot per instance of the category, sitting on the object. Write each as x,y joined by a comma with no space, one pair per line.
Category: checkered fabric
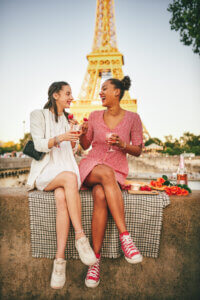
143,214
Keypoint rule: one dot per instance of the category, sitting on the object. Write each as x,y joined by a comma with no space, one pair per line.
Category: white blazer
40,132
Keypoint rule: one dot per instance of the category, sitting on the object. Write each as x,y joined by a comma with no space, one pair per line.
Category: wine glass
109,137
76,128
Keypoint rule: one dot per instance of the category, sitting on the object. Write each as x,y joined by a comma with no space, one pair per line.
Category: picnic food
145,188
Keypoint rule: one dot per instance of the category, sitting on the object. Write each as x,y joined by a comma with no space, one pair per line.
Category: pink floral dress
129,130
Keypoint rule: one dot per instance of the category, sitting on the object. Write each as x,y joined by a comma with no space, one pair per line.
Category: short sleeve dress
61,159
129,130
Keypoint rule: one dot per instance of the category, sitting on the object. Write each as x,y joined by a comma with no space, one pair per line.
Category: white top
61,159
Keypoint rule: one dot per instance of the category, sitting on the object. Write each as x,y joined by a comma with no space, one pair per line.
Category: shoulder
37,114
132,115
95,114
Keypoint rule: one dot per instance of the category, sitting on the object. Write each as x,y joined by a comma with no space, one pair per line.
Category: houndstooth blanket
143,213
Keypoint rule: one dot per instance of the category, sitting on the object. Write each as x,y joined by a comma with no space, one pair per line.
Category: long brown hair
55,87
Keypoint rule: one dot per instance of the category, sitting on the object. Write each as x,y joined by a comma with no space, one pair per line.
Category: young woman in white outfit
58,172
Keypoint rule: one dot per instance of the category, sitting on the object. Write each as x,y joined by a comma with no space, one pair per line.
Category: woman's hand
71,136
115,140
84,128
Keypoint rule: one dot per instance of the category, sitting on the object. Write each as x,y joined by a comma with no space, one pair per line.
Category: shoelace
128,245
86,246
93,271
59,268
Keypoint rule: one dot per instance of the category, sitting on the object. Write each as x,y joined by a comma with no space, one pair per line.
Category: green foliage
8,149
186,19
188,143
153,141
27,136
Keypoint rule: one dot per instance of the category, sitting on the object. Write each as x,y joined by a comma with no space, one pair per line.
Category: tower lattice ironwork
104,61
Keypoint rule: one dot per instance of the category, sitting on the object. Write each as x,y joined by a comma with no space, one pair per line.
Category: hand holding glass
109,140
76,129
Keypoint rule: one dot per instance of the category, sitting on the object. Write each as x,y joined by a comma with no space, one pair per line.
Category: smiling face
63,97
109,94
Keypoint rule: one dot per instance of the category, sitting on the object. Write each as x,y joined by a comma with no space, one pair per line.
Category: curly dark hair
123,85
55,87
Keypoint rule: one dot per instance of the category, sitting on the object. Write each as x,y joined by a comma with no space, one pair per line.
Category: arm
85,144
37,129
135,148
87,133
131,149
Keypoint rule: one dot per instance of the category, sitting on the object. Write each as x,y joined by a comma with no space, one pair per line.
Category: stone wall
174,275
14,163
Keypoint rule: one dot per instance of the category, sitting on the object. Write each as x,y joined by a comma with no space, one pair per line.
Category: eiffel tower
104,61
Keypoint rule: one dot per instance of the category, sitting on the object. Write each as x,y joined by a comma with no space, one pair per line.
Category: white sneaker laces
129,245
85,245
59,268
93,271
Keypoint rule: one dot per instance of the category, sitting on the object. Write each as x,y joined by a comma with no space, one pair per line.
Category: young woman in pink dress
106,167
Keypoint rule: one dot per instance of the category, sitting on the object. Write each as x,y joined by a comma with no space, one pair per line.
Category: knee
70,180
107,175
99,196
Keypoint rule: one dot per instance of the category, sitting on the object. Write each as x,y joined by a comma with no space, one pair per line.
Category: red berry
85,119
70,116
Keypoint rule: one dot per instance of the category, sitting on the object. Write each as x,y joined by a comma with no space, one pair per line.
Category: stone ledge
174,275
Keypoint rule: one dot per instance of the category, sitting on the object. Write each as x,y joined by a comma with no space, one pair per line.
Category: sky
43,41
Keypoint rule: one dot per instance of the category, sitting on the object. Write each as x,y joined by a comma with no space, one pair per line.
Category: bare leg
68,181
62,222
99,217
104,175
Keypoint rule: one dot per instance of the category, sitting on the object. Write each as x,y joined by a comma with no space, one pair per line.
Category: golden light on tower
104,61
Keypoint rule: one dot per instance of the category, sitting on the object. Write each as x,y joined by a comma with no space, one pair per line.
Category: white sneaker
58,274
85,251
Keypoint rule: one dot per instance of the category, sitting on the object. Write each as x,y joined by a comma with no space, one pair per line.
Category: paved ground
174,275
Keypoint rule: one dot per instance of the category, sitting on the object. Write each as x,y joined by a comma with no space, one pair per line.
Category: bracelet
79,231
56,141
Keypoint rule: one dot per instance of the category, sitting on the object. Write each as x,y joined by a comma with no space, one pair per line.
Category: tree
24,140
153,141
186,18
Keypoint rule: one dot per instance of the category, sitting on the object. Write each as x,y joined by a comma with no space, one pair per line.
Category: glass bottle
182,172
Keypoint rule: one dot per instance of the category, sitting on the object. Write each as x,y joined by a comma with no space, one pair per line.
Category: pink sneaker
93,275
132,254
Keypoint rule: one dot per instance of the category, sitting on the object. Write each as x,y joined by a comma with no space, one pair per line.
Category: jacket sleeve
37,129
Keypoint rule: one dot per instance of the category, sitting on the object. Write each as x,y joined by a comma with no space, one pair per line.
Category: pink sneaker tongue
124,233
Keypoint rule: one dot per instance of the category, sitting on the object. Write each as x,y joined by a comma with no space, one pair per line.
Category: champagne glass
109,137
76,128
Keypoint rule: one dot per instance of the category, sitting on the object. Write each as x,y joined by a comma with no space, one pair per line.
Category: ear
117,92
55,95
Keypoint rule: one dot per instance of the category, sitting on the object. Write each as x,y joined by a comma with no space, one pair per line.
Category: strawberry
85,119
70,116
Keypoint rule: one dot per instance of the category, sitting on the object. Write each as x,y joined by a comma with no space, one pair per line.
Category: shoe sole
136,261
57,288
92,285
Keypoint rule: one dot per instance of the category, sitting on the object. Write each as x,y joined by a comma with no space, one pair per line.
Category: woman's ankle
79,234
60,255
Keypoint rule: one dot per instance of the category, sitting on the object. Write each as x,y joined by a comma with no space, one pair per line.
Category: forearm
132,149
85,144
54,141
